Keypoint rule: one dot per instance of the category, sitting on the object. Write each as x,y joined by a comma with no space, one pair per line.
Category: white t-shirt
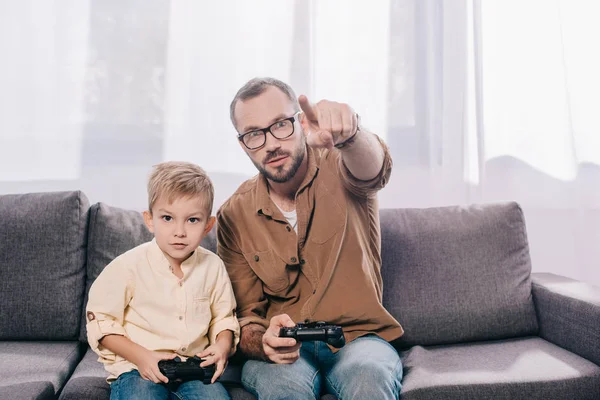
292,218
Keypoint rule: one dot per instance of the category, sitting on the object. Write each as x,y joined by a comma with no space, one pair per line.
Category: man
301,242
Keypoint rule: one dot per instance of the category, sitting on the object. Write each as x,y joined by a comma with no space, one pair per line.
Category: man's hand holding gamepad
280,350
147,364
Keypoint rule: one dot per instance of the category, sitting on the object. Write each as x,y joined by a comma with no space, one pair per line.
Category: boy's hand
148,365
217,354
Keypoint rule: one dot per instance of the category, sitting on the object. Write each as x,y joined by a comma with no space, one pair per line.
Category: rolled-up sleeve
109,295
370,187
223,307
248,289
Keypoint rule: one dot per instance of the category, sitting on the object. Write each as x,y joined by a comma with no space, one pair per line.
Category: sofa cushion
513,369
89,381
28,391
457,274
113,231
42,264
27,368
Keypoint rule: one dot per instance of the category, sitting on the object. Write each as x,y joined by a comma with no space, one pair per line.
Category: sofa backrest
450,274
457,274
42,265
113,231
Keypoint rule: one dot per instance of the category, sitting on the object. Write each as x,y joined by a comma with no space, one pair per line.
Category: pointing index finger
307,108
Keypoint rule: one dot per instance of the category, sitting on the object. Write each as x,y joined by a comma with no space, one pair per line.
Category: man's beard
280,175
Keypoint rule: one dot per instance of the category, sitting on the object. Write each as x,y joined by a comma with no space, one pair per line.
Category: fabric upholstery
28,391
29,367
511,369
457,274
42,264
569,314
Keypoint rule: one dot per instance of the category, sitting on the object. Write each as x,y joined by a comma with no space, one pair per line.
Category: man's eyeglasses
281,129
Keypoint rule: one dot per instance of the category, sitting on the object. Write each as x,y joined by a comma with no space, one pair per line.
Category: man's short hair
173,179
255,87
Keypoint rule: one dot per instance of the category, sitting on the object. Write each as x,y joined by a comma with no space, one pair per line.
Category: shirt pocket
201,309
328,218
270,269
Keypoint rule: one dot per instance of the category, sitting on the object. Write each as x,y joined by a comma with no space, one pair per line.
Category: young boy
165,298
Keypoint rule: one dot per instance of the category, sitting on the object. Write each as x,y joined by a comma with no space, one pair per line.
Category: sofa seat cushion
42,264
457,274
29,367
28,391
514,369
89,381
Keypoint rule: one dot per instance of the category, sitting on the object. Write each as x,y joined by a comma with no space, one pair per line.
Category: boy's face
179,227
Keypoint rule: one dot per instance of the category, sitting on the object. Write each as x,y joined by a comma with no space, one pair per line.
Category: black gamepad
330,334
189,370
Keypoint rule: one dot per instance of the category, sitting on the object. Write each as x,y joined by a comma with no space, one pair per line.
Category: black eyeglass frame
264,131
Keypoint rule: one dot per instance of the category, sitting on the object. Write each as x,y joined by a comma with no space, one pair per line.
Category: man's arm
251,342
247,287
259,337
363,155
266,345
328,124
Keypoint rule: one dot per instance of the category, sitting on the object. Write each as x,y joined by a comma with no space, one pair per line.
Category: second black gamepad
188,370
330,334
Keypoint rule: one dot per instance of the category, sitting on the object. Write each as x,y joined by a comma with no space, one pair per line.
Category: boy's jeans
366,368
131,385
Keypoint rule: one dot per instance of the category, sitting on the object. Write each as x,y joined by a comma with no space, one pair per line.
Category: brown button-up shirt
328,271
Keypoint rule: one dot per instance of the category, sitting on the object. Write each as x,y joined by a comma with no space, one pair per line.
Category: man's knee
368,368
278,381
366,380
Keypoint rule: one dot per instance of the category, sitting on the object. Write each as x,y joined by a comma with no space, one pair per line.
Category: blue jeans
131,385
366,368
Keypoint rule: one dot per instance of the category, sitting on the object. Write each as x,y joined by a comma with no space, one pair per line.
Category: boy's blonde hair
175,178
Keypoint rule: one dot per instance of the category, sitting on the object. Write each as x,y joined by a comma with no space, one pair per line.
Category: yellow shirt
138,296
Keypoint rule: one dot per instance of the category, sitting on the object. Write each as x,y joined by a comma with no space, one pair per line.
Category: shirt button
180,283
256,258
293,259
288,228
302,261
183,349
180,317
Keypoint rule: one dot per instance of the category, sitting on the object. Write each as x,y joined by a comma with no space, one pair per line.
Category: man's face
278,159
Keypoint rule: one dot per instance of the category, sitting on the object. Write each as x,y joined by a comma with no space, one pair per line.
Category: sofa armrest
568,314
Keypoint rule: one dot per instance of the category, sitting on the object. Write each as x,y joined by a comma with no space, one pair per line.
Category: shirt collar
158,258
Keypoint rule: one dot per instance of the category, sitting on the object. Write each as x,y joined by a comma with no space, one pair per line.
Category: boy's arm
109,295
222,304
145,360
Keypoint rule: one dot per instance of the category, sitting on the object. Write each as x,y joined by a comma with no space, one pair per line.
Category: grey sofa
478,324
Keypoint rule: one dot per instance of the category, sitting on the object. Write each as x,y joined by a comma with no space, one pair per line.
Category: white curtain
43,48
214,48
479,101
